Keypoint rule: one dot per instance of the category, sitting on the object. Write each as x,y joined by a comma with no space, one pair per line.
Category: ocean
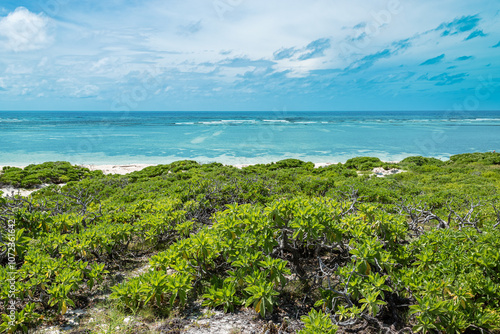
241,137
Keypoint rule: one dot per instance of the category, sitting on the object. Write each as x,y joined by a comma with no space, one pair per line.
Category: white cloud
185,47
23,30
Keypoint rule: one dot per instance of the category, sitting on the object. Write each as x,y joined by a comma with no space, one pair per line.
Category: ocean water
241,137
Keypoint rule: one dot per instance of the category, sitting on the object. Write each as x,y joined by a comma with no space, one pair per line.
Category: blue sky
249,55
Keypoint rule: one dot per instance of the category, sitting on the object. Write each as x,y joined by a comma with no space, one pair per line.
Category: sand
117,169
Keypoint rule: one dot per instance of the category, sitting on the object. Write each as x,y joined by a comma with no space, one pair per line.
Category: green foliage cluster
420,161
363,163
454,277
488,158
48,172
366,249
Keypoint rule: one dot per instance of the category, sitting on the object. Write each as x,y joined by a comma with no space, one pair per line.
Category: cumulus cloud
22,30
326,50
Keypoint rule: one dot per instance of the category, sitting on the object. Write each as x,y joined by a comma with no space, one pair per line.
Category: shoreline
119,169
123,169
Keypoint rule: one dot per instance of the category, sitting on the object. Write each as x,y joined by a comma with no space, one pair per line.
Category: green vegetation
415,250
420,161
488,158
48,172
364,163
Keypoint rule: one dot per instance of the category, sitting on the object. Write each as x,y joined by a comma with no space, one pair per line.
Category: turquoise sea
241,137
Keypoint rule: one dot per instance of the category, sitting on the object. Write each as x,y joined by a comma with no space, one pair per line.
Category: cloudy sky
249,54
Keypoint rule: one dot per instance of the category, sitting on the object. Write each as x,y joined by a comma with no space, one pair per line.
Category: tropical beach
241,138
249,167
133,239
126,169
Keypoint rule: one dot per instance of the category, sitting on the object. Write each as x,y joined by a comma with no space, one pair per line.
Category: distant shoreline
235,138
125,169
122,169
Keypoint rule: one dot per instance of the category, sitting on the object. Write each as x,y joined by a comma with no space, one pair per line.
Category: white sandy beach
118,169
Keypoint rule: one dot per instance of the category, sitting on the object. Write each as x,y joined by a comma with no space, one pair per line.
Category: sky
240,55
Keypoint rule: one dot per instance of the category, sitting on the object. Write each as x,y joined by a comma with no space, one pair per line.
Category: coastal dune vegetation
334,247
